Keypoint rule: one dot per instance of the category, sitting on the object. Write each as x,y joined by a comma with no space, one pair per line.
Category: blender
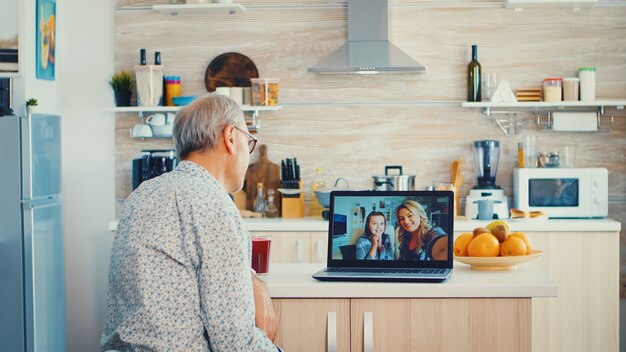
486,192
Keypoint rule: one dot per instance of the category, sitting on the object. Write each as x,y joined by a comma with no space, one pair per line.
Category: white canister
587,77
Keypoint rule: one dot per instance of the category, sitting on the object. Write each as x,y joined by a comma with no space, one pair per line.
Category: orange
522,235
513,246
484,245
461,243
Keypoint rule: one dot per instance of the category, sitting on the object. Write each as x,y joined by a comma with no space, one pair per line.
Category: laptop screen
396,229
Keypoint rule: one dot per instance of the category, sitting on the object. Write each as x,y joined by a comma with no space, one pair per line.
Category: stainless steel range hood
368,49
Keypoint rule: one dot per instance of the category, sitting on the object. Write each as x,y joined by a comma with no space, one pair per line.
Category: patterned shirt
180,277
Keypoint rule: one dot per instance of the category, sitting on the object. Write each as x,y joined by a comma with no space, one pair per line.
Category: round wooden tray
230,70
498,263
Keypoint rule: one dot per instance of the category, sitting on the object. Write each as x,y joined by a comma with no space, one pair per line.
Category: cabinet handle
299,251
368,332
320,251
331,333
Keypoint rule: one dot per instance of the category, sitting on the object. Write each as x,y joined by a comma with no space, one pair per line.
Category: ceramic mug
141,131
156,120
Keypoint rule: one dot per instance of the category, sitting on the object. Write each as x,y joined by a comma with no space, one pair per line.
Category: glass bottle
270,209
259,202
142,57
473,77
520,155
318,184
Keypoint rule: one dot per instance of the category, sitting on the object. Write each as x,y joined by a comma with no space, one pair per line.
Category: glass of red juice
261,254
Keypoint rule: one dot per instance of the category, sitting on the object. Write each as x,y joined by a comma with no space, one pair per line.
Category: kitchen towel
503,93
574,121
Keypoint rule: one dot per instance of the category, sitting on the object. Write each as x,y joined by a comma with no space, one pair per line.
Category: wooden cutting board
263,170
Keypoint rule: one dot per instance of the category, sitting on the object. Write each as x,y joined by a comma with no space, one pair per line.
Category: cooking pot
399,182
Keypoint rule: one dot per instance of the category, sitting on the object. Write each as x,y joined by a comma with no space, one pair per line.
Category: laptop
389,236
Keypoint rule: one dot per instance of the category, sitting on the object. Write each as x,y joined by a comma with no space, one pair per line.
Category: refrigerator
32,284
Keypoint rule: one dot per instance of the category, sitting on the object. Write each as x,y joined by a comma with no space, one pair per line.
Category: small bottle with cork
259,202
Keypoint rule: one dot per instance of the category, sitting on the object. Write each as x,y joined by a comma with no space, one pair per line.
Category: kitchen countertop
528,280
551,225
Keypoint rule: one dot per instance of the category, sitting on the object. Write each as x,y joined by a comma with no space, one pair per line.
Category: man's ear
229,139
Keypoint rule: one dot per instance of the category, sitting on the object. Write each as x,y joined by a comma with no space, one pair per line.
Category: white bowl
162,131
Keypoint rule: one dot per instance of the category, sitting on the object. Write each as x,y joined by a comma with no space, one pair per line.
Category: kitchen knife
289,169
296,169
283,170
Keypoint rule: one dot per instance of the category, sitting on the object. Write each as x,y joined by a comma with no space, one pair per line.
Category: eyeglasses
251,139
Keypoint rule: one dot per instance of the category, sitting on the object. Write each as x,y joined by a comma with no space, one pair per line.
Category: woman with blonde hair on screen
414,233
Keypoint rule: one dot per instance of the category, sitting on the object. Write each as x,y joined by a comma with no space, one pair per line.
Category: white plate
535,219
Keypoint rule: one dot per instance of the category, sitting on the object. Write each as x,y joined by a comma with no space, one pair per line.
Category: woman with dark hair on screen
374,243
414,233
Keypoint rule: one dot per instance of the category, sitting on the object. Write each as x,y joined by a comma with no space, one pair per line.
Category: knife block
292,205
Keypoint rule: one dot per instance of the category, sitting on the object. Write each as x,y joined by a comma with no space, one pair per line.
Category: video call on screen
350,214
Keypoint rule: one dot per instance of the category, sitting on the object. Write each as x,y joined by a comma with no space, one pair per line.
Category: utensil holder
292,205
149,83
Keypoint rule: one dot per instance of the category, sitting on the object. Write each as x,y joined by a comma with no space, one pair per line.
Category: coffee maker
486,157
152,163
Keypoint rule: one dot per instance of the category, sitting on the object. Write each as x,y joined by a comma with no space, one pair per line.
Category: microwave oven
562,192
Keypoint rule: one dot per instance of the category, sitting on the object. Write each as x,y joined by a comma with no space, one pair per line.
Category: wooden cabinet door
441,324
289,247
380,325
305,325
319,247
585,314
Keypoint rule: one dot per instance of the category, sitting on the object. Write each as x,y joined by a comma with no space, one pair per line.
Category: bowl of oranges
494,248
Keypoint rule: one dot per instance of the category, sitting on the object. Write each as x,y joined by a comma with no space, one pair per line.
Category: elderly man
180,276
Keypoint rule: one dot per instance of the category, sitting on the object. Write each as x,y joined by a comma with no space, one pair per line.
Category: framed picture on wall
9,34
46,34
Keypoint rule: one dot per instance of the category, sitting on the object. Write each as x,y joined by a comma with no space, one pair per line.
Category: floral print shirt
180,277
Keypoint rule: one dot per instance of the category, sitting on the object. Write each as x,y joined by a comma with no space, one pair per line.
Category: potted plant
122,83
30,105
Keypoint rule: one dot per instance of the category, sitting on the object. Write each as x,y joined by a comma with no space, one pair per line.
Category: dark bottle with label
473,77
142,56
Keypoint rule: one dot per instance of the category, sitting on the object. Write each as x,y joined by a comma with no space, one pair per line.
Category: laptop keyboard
387,270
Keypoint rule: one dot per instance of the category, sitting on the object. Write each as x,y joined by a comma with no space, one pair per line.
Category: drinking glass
530,151
261,254
490,83
569,156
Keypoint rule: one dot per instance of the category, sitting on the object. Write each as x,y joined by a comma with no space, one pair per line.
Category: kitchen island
580,255
471,311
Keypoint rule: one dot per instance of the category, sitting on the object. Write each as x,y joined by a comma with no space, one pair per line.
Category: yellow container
172,88
264,91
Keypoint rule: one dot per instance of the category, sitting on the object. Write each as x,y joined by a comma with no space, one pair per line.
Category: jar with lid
264,91
270,209
587,77
552,89
570,89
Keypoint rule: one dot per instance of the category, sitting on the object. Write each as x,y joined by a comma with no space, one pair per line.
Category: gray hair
198,126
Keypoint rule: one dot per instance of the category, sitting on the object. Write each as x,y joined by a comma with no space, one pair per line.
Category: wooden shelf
538,105
174,9
254,123
142,109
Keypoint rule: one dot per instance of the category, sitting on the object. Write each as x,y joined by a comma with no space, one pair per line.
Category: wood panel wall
354,125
